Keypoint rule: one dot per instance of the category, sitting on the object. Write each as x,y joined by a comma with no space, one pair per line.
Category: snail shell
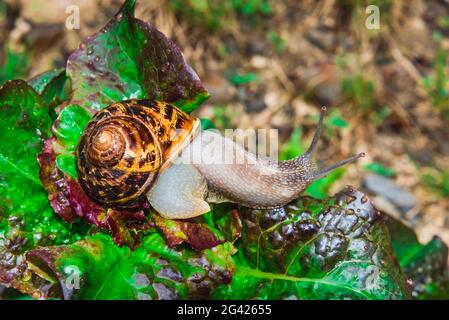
126,145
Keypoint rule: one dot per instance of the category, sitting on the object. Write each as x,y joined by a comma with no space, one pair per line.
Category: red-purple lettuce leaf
126,226
58,174
152,271
55,182
130,59
69,200
222,224
127,59
194,232
338,248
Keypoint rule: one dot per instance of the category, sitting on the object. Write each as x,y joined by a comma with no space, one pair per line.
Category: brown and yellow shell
126,145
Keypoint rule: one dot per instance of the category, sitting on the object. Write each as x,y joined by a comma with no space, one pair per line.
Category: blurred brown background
272,64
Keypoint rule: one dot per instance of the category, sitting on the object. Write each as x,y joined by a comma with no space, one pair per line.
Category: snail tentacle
303,165
316,137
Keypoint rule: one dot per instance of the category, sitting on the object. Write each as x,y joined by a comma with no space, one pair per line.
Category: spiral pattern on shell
124,147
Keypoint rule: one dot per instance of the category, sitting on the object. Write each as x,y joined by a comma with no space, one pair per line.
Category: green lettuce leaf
53,86
70,125
26,218
68,128
424,264
40,82
95,268
25,122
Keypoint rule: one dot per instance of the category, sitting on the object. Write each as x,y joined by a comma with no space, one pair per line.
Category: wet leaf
69,200
153,271
127,59
67,164
57,91
25,122
333,249
424,264
40,82
55,182
26,218
229,224
131,59
69,126
199,235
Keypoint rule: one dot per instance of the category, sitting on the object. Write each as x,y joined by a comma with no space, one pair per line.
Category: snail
138,148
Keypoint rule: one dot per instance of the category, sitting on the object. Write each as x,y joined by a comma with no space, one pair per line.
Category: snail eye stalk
316,138
322,172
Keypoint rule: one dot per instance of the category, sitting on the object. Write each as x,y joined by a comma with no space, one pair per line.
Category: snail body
143,148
